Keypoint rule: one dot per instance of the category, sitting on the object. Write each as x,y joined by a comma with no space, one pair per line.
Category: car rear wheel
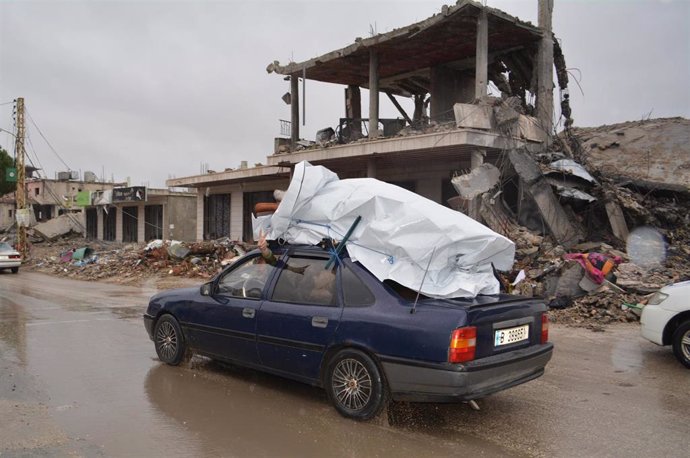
681,343
169,341
354,385
15,270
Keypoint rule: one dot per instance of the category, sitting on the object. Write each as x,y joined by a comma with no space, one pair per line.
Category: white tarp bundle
397,235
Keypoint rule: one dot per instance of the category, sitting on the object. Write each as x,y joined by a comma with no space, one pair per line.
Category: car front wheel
354,385
681,343
169,341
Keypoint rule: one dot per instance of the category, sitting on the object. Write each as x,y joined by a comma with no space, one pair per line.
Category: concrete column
545,68
373,94
476,159
236,215
481,72
294,110
118,224
371,168
165,233
353,108
141,223
200,215
100,223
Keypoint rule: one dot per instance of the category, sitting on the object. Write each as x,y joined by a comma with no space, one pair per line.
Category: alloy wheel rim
352,384
166,337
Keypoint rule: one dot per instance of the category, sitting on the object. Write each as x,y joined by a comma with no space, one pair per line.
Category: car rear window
355,292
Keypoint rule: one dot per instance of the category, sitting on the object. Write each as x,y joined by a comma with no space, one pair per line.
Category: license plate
511,335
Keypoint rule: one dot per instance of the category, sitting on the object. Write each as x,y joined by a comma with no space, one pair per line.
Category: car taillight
14,256
544,328
463,342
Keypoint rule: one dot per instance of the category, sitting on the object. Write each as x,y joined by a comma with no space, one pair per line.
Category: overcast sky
151,89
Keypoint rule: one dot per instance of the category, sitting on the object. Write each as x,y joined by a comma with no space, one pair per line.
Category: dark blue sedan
338,327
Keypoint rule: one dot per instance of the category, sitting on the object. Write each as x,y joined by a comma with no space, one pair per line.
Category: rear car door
224,324
298,322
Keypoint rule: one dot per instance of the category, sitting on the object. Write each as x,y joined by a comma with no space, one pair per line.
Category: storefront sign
130,194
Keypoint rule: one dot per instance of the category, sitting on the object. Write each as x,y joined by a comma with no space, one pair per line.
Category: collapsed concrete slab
59,226
651,154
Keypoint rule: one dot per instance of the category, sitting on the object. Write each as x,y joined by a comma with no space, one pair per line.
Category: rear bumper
8,264
419,382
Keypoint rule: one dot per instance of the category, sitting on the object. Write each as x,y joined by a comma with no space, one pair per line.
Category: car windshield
5,247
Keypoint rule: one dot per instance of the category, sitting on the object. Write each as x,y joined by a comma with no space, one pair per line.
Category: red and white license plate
511,335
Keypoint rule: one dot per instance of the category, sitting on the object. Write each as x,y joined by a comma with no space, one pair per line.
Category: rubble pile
127,263
615,207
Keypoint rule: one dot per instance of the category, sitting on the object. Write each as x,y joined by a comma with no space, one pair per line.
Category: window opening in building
109,224
129,224
250,200
91,223
153,217
216,216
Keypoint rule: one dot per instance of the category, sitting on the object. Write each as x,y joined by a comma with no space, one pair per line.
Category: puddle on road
241,412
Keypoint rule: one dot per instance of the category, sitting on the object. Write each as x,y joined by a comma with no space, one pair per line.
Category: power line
46,140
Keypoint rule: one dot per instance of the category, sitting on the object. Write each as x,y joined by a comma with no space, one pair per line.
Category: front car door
224,324
297,323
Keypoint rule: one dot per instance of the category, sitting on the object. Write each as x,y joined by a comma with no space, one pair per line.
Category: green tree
5,162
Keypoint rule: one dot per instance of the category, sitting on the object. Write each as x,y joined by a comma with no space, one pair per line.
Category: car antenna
414,306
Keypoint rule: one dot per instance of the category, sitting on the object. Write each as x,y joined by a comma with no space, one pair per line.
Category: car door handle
319,321
248,312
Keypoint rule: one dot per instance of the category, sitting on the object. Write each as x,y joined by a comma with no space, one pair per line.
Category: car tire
681,343
15,270
354,385
169,341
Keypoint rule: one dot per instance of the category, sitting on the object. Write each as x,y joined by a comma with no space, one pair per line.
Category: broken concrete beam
473,116
477,182
495,216
59,226
565,230
617,220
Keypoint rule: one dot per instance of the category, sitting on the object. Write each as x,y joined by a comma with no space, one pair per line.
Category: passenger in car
271,259
322,288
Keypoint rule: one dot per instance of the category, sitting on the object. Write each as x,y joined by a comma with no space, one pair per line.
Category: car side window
246,280
305,280
355,292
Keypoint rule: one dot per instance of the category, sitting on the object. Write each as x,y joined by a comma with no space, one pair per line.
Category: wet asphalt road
79,377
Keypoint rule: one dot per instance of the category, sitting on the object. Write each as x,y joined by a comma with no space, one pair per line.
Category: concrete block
477,182
530,129
473,116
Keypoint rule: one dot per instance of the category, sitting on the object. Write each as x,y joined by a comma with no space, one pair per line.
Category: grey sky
149,90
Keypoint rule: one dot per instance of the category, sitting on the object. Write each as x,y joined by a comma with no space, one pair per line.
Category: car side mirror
206,289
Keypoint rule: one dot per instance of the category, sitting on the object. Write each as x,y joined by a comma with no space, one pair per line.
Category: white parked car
9,258
666,319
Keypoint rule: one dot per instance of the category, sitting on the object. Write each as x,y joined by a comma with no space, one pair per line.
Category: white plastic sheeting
397,235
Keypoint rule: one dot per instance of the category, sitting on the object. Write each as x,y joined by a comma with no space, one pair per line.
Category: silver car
9,258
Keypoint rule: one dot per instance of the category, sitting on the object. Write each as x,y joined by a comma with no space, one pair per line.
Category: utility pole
21,179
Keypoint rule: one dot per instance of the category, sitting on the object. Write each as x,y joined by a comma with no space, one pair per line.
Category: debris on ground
131,262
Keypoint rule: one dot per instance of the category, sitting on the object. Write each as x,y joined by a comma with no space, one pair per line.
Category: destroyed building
101,210
482,86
